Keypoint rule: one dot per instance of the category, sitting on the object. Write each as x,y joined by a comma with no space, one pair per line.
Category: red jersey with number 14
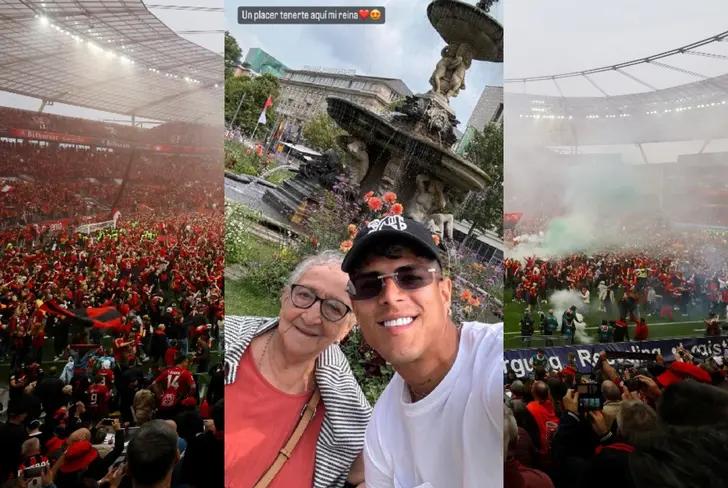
177,383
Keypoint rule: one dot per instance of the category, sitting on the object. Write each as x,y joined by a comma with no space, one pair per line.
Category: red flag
52,307
268,102
99,317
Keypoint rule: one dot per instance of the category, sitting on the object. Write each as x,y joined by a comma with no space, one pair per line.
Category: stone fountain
408,151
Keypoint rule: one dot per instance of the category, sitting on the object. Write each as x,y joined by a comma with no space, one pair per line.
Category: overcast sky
405,47
177,20
557,36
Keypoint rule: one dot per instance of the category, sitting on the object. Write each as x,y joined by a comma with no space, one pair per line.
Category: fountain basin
461,23
427,156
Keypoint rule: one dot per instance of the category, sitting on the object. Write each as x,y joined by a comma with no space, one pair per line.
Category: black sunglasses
370,285
331,308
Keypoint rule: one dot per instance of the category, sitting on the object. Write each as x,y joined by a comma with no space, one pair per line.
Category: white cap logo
395,222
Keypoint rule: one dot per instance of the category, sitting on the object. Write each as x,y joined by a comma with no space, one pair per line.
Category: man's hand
649,387
630,395
356,472
114,476
598,423
571,401
47,477
608,369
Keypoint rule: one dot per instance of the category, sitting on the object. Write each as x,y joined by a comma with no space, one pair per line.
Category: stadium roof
712,90
114,56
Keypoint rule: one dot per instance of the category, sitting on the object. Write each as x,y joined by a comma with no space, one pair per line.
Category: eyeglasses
370,285
331,308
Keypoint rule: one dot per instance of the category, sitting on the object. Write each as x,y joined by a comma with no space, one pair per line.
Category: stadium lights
44,20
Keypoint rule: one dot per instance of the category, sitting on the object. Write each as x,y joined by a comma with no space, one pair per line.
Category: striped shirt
347,410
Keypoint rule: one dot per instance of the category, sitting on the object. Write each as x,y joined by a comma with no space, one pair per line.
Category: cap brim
359,251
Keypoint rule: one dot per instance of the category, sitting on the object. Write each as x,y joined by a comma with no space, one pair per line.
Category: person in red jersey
123,347
98,396
172,386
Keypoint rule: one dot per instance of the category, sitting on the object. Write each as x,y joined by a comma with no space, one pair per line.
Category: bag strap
307,414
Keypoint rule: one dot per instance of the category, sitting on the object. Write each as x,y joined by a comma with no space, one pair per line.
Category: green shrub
241,159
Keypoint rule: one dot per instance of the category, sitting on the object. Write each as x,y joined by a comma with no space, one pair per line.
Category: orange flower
474,301
346,245
466,295
374,203
397,209
352,230
390,197
368,195
436,238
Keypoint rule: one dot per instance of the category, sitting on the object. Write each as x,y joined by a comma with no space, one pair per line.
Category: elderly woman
289,388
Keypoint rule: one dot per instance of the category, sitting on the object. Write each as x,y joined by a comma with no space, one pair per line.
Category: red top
107,376
170,355
177,383
543,412
98,399
257,426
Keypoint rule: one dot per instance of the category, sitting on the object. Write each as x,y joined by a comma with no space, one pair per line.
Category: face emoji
375,14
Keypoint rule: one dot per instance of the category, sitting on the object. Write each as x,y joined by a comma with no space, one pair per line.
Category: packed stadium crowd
132,309
162,278
78,428
644,423
86,182
169,133
153,272
683,274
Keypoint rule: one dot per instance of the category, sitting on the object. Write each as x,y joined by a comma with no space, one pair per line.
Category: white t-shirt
453,437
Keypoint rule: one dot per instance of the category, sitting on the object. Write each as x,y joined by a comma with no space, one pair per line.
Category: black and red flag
99,317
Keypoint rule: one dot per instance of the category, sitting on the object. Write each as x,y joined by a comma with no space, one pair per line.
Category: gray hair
635,418
30,447
610,391
510,429
324,258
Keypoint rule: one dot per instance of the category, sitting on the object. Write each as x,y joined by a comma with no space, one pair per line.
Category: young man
152,455
439,421
98,397
172,386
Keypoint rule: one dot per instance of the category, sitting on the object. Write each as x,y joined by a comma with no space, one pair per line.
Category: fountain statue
412,145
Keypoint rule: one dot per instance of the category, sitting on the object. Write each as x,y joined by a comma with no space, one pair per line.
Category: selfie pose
438,422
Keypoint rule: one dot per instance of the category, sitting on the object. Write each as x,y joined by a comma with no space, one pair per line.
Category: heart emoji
363,14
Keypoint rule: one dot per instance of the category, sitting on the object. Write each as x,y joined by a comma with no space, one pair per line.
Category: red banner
168,148
43,135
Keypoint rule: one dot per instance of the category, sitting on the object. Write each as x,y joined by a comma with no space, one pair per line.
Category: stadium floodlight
125,60
44,20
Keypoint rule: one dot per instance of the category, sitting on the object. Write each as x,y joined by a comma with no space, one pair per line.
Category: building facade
489,109
304,92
